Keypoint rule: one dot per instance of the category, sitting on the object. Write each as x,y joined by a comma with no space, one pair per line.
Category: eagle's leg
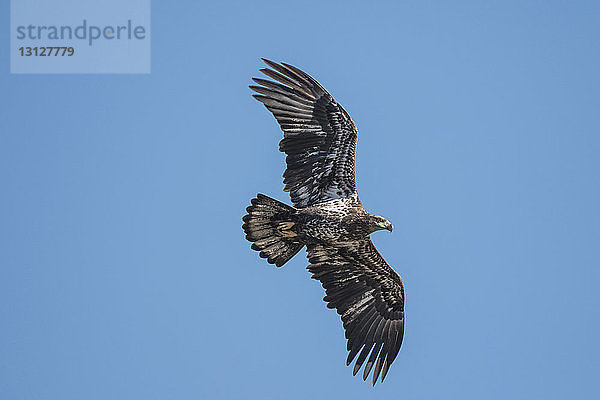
284,229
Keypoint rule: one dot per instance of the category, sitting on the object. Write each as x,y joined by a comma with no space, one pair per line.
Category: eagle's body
333,221
328,217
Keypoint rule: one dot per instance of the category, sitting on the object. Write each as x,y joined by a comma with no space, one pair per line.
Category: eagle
319,139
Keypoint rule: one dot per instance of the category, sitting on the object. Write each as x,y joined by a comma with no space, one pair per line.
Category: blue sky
124,272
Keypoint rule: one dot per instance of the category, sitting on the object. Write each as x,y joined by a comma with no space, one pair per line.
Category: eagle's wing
319,136
369,296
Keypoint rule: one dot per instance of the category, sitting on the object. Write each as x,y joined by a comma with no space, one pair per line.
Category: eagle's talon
285,226
284,229
288,234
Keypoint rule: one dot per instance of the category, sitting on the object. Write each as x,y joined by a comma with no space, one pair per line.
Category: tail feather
269,225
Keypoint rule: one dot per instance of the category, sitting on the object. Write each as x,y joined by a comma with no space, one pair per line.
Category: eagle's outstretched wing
369,296
319,136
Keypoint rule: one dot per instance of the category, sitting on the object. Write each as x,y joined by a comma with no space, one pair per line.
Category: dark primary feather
319,136
369,296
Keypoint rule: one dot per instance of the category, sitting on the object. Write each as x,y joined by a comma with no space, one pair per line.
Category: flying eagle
327,217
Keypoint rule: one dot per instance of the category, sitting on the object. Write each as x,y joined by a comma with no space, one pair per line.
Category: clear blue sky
124,272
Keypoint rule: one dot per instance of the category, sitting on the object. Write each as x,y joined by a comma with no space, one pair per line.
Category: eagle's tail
270,225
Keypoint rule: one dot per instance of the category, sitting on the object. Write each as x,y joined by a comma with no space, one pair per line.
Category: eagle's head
377,223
